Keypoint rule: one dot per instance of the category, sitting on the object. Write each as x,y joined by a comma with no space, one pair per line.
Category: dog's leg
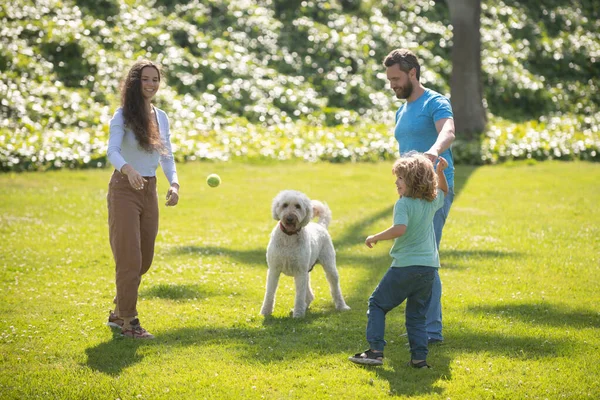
301,281
269,301
310,296
328,263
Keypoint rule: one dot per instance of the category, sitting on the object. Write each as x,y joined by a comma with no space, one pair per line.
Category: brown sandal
421,364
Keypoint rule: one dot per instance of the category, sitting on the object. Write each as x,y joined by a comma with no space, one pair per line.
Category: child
414,256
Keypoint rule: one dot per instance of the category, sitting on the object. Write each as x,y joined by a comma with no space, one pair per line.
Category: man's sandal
422,364
367,357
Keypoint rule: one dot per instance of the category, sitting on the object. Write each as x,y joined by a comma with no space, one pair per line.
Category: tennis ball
213,180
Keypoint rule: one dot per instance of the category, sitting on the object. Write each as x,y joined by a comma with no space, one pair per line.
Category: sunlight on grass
520,262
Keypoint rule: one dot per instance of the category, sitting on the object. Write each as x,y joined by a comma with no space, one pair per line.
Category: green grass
520,258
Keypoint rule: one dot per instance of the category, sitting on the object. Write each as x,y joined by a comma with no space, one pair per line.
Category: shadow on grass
543,314
405,381
452,259
379,264
250,257
176,292
520,347
277,339
114,356
320,335
462,173
355,233
480,254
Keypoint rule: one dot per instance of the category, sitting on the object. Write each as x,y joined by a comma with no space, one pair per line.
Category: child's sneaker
136,331
114,321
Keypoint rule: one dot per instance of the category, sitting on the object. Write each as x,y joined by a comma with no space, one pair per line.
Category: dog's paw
344,307
266,312
297,314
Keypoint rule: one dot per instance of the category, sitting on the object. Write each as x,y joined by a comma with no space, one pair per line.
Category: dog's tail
321,211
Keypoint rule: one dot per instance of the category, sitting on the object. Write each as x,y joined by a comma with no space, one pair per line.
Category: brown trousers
133,226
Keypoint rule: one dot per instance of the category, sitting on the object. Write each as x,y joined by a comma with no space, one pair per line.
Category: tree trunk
465,83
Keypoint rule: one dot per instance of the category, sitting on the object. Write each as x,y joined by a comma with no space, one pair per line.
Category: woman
139,140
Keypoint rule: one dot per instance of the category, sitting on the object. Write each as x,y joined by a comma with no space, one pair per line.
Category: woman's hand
135,179
173,195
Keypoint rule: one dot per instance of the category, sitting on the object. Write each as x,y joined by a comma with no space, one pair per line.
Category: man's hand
432,155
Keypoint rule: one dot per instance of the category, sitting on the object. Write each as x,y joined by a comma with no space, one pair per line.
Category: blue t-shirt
417,245
415,126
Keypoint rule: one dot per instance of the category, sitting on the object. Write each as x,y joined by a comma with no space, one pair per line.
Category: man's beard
406,91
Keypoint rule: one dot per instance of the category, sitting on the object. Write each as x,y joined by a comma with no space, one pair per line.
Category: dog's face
293,209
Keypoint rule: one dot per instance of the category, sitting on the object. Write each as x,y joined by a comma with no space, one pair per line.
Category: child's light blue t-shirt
415,126
417,245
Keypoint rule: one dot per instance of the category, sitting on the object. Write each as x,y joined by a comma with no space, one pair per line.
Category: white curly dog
296,245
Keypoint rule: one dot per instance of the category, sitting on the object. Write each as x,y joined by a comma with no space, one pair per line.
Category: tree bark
466,88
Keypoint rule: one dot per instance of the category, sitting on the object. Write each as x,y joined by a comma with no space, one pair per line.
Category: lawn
520,268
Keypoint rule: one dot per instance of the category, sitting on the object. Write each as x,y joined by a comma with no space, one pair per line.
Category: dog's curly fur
296,245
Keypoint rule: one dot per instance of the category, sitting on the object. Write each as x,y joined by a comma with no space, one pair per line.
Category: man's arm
445,128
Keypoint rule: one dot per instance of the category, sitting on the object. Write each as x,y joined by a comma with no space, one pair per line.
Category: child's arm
392,232
442,182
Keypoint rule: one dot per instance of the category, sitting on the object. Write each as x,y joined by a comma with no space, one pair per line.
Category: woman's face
150,81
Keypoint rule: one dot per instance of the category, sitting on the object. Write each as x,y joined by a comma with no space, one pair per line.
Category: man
425,124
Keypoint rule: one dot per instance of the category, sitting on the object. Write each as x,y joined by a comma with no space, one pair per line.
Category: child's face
400,186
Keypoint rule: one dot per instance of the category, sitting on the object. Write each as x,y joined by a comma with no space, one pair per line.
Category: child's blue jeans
412,284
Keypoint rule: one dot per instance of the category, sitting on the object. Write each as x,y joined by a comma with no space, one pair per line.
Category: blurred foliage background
261,80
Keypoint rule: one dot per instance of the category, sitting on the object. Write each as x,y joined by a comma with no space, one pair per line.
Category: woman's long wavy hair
418,174
136,115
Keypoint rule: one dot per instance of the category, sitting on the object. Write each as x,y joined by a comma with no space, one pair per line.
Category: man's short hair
405,59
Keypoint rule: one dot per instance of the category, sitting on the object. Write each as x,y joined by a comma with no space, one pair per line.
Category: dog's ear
307,206
274,207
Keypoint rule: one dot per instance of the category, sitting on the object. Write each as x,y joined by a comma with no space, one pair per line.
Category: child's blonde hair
418,174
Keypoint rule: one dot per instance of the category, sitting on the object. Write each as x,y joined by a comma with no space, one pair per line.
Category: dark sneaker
114,321
136,331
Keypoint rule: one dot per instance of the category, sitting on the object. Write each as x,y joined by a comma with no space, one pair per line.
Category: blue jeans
434,313
412,284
